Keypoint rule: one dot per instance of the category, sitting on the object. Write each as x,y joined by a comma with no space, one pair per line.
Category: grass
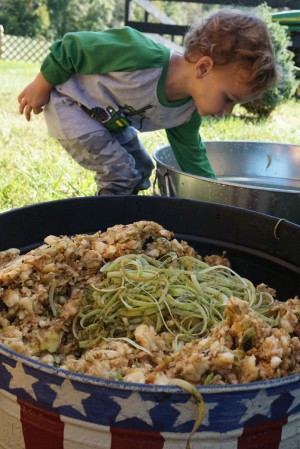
34,168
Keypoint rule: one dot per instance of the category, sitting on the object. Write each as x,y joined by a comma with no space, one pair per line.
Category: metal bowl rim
231,184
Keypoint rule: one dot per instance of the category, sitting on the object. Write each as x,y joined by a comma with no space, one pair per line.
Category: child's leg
143,162
115,167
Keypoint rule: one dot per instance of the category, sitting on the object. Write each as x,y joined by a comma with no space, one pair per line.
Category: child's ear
203,66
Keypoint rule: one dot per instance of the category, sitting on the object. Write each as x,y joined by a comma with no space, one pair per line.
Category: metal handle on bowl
167,184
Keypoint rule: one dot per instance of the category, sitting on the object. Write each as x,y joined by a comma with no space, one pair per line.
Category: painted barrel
44,406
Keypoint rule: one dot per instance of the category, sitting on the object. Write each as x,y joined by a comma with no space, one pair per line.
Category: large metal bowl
42,406
264,177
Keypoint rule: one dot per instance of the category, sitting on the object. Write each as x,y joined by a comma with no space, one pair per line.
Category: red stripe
41,429
135,439
265,436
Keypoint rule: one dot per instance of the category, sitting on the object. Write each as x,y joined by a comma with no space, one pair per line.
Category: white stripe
11,433
80,434
290,436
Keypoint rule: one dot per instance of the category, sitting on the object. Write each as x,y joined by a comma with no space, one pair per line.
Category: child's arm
75,53
86,53
189,150
34,96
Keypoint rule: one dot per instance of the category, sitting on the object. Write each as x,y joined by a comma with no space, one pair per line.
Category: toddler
99,89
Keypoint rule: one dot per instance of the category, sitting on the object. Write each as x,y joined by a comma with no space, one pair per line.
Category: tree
21,17
118,13
53,18
76,15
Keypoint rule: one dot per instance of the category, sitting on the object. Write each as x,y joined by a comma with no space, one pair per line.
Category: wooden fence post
1,41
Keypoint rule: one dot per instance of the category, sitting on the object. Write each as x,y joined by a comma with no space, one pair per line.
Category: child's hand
34,96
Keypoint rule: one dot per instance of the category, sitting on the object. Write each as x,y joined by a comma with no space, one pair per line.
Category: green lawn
34,168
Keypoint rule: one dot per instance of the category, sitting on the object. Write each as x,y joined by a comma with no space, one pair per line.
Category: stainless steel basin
260,176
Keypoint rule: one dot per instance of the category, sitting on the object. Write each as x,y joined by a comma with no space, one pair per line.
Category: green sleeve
91,52
189,150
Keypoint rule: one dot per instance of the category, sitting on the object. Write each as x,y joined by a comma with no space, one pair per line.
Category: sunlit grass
282,126
34,168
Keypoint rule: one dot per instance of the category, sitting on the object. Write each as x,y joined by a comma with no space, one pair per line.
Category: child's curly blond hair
229,36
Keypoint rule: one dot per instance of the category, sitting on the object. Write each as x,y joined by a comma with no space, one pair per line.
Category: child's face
217,89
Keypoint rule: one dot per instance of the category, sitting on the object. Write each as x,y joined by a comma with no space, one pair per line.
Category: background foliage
286,88
51,19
